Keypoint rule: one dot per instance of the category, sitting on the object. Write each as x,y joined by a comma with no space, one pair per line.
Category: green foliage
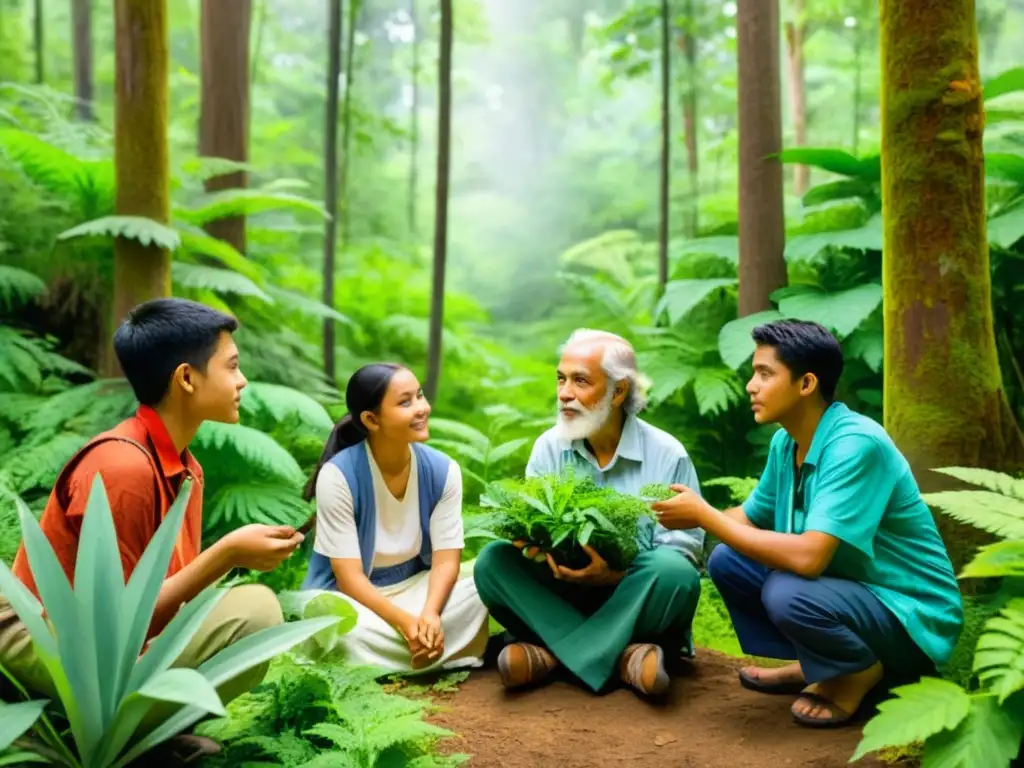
146,231
104,686
323,714
17,287
559,514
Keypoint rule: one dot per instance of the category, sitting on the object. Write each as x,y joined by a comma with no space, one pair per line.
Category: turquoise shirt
858,487
645,454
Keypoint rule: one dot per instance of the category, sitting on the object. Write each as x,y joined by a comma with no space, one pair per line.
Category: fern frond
196,241
281,403
1004,558
37,466
245,202
997,482
18,287
236,505
266,458
999,658
739,488
1001,515
25,360
306,306
470,434
202,277
87,409
716,389
146,231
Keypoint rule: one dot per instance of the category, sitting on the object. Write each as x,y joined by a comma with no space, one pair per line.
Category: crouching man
596,621
834,560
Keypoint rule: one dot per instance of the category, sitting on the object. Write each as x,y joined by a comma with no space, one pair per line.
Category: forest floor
706,720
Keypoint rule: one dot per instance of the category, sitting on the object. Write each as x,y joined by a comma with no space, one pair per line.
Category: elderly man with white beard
596,621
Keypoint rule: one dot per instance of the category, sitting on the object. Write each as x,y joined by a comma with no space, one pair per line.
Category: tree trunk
346,120
666,149
39,41
858,67
141,272
944,399
224,112
81,36
444,126
762,268
331,179
795,32
688,42
414,119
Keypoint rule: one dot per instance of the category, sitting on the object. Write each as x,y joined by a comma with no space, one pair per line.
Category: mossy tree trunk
141,272
414,119
688,44
224,111
944,400
331,178
762,268
444,132
666,147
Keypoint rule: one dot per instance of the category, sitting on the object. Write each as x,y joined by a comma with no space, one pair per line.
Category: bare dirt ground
707,720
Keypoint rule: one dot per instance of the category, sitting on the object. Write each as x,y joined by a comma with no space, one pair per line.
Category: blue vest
431,473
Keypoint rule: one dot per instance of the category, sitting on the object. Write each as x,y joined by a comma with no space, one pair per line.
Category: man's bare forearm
209,566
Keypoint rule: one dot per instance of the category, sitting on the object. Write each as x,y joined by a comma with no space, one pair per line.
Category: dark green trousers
587,628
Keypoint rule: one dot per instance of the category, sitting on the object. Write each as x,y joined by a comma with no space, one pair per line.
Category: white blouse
398,520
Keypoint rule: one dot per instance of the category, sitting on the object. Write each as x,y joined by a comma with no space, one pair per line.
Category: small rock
553,709
664,738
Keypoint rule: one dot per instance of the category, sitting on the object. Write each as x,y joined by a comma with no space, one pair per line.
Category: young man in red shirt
182,364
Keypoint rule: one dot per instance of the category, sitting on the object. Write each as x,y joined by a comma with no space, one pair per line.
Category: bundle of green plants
561,514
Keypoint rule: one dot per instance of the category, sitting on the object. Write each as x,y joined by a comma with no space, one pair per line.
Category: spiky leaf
997,482
918,711
992,512
146,231
17,718
999,658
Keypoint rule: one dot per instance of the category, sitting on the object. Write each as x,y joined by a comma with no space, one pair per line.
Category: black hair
159,335
364,392
805,347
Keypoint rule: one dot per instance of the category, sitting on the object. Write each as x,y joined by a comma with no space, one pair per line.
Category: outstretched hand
261,547
684,510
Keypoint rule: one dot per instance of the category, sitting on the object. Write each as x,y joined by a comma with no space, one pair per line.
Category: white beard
585,422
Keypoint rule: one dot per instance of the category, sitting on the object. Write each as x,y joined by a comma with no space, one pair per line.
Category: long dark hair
364,392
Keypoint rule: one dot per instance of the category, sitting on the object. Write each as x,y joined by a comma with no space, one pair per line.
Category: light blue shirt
645,454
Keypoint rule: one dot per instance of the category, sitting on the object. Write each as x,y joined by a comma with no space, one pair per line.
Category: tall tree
688,43
444,131
944,399
141,271
762,268
666,148
331,179
39,40
346,120
81,37
796,32
224,111
414,119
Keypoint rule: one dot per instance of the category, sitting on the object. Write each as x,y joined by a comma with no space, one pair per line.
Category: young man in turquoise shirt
834,559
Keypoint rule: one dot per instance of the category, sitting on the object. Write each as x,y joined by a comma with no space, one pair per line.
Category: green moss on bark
141,272
944,401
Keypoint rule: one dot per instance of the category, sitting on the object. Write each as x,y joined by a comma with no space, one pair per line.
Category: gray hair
618,361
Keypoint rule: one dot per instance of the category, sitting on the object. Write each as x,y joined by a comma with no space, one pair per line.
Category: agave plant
92,636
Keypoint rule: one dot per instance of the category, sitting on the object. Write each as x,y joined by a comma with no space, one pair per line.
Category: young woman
389,531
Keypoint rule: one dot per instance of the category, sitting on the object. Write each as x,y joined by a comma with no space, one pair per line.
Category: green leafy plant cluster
983,723
92,636
309,714
559,514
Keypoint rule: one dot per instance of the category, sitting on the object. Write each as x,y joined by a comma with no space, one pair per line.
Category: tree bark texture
81,37
444,126
224,111
346,120
666,149
762,268
414,119
141,272
944,400
331,179
688,42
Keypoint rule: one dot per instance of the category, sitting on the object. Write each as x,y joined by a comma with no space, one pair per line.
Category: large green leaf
1005,166
681,296
18,286
735,344
282,403
458,429
202,277
197,241
1006,82
506,449
842,311
267,457
999,657
1004,558
17,718
245,202
310,604
990,735
724,246
918,711
839,190
866,238
146,231
835,161
1006,229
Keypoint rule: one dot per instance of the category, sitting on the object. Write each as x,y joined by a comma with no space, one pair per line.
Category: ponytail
346,432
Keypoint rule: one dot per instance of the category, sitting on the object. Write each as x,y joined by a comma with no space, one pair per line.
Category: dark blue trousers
831,626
